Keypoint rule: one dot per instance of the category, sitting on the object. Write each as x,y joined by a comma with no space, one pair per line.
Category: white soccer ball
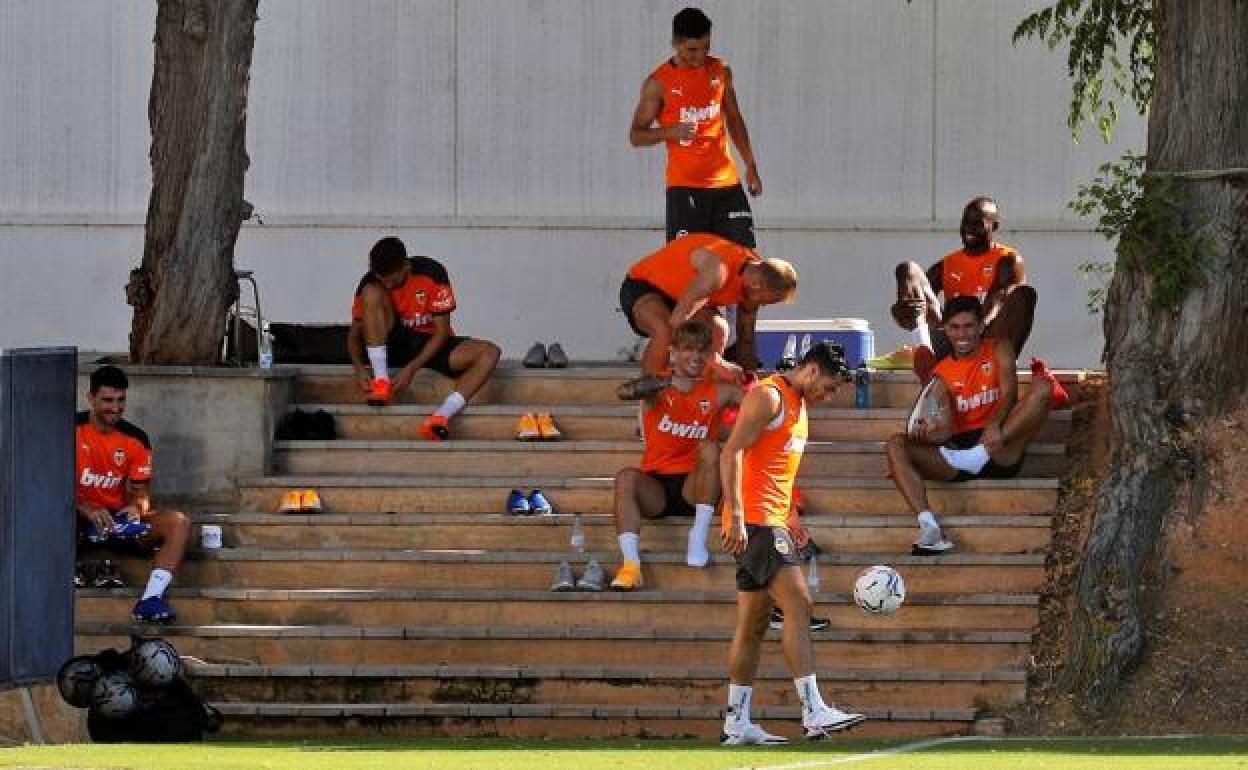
880,590
154,663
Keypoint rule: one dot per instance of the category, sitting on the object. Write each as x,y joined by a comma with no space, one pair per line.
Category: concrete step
582,422
698,687
552,721
647,608
489,531
414,568
962,650
486,494
576,385
841,459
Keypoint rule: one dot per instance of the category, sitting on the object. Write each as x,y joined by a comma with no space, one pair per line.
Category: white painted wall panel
352,109
74,79
1001,117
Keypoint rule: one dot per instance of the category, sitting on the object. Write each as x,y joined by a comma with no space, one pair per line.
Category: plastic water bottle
805,348
862,386
577,541
265,353
788,359
812,573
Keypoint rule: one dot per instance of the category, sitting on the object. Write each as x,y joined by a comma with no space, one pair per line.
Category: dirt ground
1194,675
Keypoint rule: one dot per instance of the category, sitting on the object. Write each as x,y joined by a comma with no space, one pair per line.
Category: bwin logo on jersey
699,114
683,429
107,480
978,400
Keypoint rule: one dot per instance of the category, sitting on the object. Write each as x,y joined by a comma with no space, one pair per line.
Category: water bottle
577,541
266,348
812,573
862,386
805,348
788,359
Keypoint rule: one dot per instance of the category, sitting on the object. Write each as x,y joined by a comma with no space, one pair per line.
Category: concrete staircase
414,606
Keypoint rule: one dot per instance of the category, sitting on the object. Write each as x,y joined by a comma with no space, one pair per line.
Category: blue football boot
539,504
518,504
153,609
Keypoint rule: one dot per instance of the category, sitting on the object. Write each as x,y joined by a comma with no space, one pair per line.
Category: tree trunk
197,110
1171,368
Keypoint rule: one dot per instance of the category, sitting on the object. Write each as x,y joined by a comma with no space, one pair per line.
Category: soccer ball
115,696
154,663
879,590
76,680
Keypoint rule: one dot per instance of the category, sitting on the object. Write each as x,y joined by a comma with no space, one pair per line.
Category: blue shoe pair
520,505
123,529
153,609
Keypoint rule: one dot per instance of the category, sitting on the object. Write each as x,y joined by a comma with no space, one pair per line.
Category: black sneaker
83,573
107,576
816,624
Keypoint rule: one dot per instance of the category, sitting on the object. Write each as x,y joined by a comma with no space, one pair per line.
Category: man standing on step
689,279
990,429
401,315
113,497
983,268
679,473
759,465
689,104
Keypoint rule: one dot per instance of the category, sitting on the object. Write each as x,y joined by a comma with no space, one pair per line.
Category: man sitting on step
112,497
679,472
990,427
689,279
984,268
401,315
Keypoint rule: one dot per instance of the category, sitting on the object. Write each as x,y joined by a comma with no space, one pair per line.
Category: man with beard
984,268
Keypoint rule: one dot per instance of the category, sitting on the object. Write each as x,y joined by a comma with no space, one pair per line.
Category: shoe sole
919,550
732,740
563,588
814,629
625,589
820,733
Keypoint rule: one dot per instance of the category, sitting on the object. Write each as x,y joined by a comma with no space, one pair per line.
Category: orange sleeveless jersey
974,385
670,269
696,95
963,274
104,461
675,425
769,468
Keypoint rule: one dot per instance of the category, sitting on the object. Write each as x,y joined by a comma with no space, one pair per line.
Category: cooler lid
812,325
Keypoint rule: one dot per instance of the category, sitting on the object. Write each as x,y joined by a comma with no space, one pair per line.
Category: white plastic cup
210,537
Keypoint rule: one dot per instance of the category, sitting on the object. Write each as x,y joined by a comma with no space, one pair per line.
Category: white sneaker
748,734
931,542
696,553
827,720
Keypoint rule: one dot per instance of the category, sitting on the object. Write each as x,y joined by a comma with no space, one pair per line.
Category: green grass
1093,754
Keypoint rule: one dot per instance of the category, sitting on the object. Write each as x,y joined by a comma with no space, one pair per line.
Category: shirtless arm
1010,272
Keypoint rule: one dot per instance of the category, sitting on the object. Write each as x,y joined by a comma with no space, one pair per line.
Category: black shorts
724,211
768,550
631,291
990,471
403,345
674,502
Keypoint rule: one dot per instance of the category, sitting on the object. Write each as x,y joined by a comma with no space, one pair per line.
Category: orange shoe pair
301,501
537,427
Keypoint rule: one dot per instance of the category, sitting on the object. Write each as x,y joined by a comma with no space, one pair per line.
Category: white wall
493,134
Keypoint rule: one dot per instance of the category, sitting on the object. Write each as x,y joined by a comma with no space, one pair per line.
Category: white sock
927,520
739,703
808,692
970,460
377,358
630,546
451,406
696,554
921,335
157,583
